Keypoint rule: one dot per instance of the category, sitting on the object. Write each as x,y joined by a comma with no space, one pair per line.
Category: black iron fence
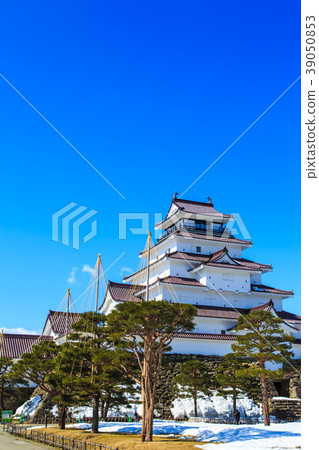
55,440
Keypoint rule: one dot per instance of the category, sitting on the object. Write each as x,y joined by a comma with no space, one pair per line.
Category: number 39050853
310,44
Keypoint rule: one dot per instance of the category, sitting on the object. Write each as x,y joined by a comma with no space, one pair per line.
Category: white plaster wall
255,278
226,279
212,325
207,247
211,297
201,346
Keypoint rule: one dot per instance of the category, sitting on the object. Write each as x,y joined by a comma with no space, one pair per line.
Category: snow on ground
208,407
276,436
28,408
215,406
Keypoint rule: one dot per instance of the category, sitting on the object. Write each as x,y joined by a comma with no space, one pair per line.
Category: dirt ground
125,441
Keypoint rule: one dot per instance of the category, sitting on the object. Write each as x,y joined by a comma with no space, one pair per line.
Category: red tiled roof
265,307
215,337
268,289
289,317
181,280
123,292
193,207
210,336
57,320
212,260
220,312
14,345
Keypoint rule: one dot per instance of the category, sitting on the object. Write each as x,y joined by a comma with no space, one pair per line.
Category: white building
198,261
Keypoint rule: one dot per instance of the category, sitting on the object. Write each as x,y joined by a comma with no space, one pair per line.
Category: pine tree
5,366
143,331
263,341
233,378
96,378
42,367
194,380
8,380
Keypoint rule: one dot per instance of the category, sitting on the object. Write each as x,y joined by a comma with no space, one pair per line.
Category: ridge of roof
205,259
269,289
205,205
14,345
266,306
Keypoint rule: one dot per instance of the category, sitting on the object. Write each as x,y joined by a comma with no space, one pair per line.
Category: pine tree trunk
195,404
95,418
102,409
144,405
1,396
61,415
234,402
149,420
265,400
151,368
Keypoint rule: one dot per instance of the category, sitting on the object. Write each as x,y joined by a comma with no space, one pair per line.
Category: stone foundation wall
289,409
171,367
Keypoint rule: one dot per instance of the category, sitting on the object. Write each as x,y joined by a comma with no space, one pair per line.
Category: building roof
57,320
192,207
265,307
268,289
212,260
289,317
14,345
180,280
123,292
215,337
210,336
220,312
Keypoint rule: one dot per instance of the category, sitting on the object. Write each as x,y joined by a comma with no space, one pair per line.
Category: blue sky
151,93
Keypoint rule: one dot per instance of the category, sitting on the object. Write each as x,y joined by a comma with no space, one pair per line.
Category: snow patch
215,406
29,407
276,436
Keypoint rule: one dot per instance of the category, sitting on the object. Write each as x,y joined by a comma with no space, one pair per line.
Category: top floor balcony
197,228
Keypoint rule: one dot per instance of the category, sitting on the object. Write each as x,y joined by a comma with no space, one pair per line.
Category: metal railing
55,440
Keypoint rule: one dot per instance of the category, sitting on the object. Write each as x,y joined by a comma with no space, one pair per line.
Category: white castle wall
211,297
203,347
184,244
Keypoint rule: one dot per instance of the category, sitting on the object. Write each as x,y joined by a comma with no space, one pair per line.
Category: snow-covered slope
29,407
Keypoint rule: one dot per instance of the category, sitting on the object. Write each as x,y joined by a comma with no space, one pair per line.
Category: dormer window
199,249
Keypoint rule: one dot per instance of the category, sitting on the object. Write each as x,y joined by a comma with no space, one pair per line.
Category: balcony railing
200,229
